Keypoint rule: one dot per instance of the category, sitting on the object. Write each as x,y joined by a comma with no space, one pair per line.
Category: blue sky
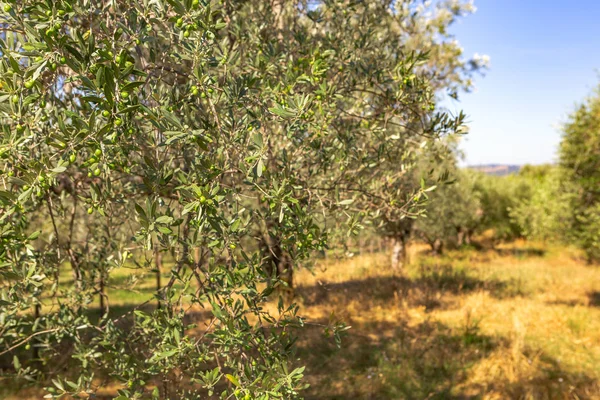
545,58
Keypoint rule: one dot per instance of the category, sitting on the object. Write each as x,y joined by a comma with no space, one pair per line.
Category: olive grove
214,145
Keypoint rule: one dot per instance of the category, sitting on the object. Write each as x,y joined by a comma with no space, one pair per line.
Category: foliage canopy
197,132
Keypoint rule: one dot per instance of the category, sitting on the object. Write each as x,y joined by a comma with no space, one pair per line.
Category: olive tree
424,28
498,195
579,181
206,143
546,213
452,213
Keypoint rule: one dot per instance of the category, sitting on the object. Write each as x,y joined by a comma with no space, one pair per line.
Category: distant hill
496,169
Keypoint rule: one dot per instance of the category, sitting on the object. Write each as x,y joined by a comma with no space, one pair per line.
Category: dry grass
518,322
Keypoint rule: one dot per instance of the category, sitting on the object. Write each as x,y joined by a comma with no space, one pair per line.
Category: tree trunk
398,253
468,234
102,294
279,263
158,263
37,314
460,237
286,275
437,247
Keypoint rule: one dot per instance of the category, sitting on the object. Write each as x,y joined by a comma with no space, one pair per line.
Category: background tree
421,28
545,215
580,162
453,209
497,196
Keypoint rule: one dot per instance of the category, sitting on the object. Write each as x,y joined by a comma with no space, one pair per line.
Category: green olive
29,84
106,113
97,172
90,210
7,8
98,152
118,122
72,158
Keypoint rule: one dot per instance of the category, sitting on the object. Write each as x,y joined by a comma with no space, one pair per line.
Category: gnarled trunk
279,263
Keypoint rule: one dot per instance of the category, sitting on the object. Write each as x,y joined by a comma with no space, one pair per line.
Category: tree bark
279,263
460,237
398,253
102,294
468,234
437,247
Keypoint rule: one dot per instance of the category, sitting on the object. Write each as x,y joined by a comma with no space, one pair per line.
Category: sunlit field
520,322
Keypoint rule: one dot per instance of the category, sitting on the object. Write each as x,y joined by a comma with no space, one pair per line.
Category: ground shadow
521,252
407,359
594,299
428,289
484,252
549,380
391,361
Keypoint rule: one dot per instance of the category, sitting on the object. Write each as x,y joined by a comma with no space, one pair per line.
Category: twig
28,338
